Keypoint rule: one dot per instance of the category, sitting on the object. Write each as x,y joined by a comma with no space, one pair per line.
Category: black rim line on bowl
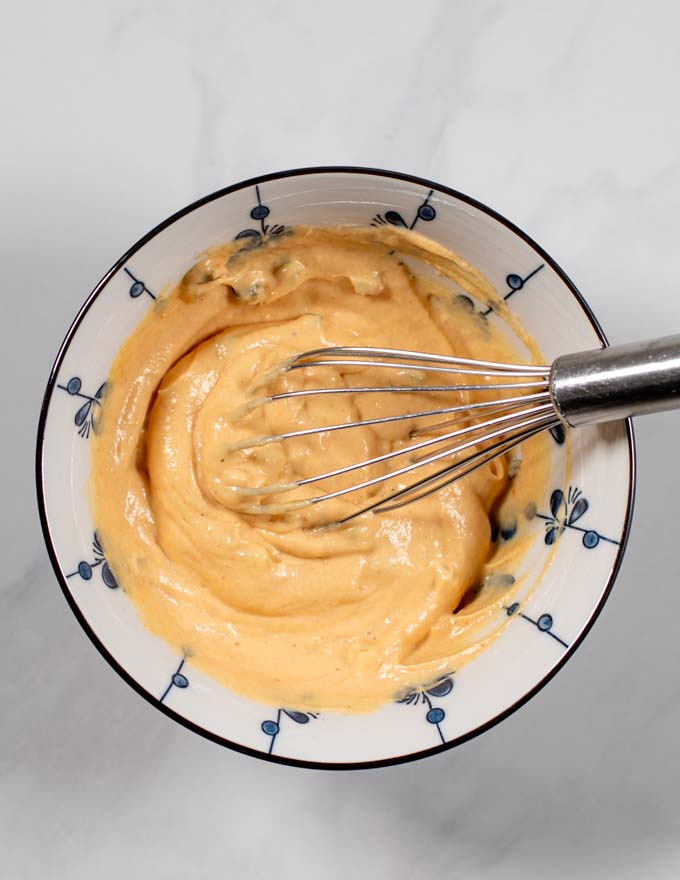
190,725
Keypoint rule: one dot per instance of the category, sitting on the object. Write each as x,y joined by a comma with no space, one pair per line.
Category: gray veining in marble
564,117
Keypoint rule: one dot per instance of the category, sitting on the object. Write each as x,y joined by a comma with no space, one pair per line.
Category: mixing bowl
581,525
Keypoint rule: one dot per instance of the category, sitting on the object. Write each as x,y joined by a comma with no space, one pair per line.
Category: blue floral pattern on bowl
260,213
565,511
272,728
85,569
434,714
137,288
177,680
544,623
424,211
86,414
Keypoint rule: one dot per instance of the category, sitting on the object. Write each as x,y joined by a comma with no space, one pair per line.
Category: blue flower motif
543,624
425,211
515,283
565,512
137,288
272,728
85,570
178,680
260,213
434,715
85,418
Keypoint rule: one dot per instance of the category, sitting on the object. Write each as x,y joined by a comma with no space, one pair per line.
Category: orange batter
289,615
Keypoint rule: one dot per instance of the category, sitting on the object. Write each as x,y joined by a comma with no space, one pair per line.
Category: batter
269,604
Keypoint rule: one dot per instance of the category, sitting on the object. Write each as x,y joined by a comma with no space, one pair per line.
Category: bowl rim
42,508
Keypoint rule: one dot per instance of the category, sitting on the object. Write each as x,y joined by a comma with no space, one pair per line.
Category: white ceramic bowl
583,520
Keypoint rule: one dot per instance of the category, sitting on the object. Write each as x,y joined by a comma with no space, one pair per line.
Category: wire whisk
523,400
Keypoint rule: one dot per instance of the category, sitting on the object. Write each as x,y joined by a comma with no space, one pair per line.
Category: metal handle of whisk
613,383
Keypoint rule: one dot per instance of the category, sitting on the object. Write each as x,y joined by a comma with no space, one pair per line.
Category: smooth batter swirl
268,605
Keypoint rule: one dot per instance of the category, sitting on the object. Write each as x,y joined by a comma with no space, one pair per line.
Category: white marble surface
564,117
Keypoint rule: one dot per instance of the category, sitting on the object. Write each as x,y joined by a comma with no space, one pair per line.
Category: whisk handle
617,382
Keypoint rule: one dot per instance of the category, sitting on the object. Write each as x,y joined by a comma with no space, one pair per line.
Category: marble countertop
563,116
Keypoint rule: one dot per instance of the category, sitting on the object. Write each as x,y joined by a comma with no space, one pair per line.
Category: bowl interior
581,524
